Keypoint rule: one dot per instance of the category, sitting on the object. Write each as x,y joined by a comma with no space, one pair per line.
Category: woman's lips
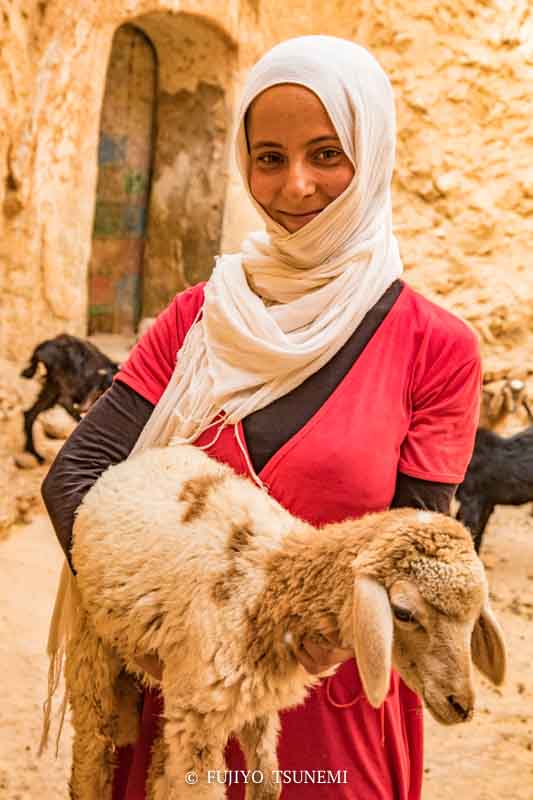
299,216
298,220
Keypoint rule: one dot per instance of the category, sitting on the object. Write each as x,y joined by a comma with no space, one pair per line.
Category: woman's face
297,164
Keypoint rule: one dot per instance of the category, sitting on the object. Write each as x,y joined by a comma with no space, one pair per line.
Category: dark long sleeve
105,436
429,495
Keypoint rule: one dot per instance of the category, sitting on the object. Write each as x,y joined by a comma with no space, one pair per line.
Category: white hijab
319,281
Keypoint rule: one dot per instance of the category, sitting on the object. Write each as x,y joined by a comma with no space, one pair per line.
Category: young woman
306,363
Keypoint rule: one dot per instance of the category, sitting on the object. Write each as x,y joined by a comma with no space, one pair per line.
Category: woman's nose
299,182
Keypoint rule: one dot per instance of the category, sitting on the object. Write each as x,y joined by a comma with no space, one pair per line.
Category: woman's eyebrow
316,140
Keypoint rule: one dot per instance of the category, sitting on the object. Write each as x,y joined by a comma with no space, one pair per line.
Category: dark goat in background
500,473
77,373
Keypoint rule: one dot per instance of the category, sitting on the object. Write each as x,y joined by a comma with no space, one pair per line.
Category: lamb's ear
488,647
372,637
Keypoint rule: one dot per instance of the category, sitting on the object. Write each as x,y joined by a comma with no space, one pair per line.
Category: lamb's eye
403,614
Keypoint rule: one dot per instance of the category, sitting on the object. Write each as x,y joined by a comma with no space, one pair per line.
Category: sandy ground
488,759
30,560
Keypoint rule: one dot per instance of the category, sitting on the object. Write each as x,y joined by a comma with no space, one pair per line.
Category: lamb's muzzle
178,557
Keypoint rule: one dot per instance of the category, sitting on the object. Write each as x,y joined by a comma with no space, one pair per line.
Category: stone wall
463,194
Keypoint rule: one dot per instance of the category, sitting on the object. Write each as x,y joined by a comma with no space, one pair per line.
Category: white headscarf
319,281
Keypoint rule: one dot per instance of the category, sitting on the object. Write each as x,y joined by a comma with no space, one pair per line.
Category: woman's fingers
316,658
307,661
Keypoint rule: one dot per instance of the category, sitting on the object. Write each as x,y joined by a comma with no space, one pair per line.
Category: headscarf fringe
64,617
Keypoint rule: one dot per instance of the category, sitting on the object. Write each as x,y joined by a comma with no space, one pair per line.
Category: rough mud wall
190,171
47,225
19,26
188,193
18,34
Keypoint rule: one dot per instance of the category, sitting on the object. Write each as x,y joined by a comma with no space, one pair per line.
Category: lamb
500,473
179,558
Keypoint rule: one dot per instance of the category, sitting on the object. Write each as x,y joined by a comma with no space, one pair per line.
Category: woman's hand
151,665
318,658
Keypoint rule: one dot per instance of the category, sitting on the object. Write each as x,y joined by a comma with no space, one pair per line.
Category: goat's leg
194,749
258,740
31,369
47,399
486,511
71,409
527,406
474,513
91,672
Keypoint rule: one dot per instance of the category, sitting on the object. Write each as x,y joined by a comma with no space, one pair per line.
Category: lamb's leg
258,740
156,770
128,703
194,745
91,672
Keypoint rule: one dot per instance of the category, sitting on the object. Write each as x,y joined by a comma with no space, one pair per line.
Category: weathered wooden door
125,156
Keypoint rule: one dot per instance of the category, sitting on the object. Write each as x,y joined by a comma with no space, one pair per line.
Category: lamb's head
420,603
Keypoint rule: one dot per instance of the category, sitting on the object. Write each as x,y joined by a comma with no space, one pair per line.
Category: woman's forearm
105,436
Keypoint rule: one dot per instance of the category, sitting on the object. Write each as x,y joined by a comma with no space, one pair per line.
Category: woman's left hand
318,658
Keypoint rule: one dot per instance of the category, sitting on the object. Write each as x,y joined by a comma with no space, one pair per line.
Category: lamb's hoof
28,461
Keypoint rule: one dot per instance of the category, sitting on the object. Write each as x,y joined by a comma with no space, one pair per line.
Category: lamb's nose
462,711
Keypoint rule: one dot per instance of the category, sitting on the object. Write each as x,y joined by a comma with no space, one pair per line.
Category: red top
410,404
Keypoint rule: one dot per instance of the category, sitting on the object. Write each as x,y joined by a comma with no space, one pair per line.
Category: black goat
500,473
77,373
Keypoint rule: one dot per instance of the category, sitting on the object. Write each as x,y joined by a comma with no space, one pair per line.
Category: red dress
410,404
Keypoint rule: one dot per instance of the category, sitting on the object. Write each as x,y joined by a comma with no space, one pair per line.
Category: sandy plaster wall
194,110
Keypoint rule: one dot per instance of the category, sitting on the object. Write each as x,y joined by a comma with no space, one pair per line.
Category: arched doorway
125,157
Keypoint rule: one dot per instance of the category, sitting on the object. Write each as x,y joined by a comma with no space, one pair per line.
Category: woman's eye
403,614
269,159
329,154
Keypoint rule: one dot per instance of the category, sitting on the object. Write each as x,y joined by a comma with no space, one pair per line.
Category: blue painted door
125,156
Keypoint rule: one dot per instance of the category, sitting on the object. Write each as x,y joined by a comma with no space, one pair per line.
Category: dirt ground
487,759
